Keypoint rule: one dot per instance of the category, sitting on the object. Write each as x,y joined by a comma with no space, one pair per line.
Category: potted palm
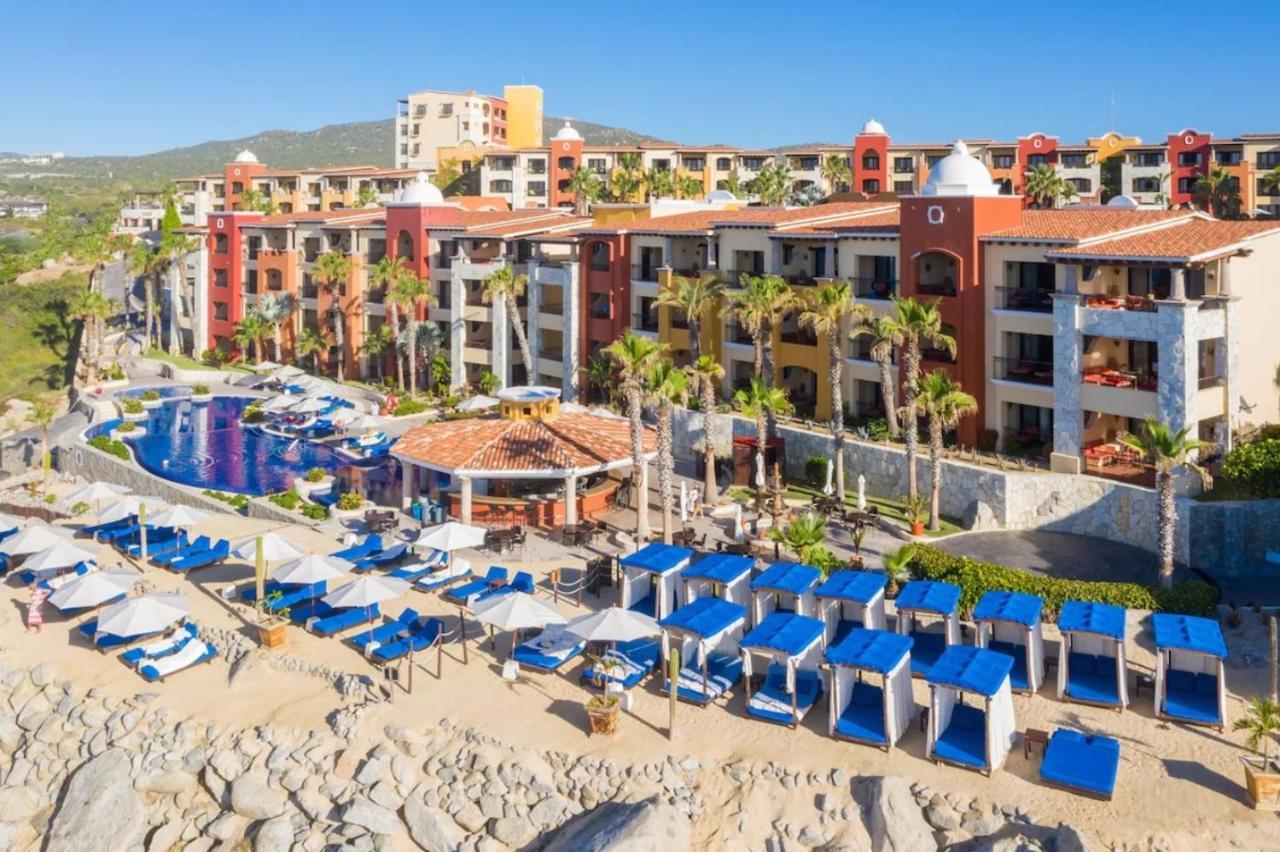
151,399
917,509
272,624
897,568
605,710
1261,775
201,393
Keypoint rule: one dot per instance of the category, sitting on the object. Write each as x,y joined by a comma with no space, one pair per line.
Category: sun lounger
193,653
467,593
328,497
366,640
863,717
124,530
772,702
722,673
1093,679
549,650
170,644
249,592
220,551
320,429
311,610
420,636
1081,763
635,660
296,595
419,570
449,574
372,544
1018,653
1191,697
344,619
366,441
201,543
382,557
89,529
89,630
964,741
160,543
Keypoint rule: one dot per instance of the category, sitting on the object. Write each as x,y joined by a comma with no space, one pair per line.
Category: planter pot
201,397
139,416
917,528
132,433
604,720
1264,787
347,514
304,488
152,403
272,634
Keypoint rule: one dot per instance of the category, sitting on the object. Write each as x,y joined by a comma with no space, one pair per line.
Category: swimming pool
204,446
164,392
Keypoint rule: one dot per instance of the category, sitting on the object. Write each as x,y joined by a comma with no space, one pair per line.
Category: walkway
1059,554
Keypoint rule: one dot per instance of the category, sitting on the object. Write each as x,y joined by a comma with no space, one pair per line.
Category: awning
789,577
1100,619
929,596
971,669
1013,607
784,632
857,586
1188,633
719,568
875,650
705,617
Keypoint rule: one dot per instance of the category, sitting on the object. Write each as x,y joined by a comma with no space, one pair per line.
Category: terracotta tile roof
509,230
1075,225
573,441
362,216
875,223
492,203
703,221
1196,239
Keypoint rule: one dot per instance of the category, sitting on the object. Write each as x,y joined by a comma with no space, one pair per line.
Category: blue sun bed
1091,665
783,587
636,660
382,557
344,619
790,641
211,556
372,544
934,599
873,713
385,633
649,578
1082,763
1190,670
722,575
1009,623
462,595
169,645
192,654
549,650
976,736
420,636
714,626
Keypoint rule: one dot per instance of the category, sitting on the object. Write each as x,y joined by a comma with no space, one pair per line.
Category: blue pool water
165,392
203,445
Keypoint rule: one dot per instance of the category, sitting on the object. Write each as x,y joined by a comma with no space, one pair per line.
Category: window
504,163
417,129
1037,160
662,165
788,252
446,109
275,281
808,164
219,277
695,164
220,311
904,165
565,163
1187,184
220,243
871,186
1150,158
598,165
1074,161
1146,184
599,257
1265,189
1268,159
1084,186
1003,161
871,161
1188,158
1229,158
404,150
933,159
902,187
237,187
723,164
499,186
753,163
536,187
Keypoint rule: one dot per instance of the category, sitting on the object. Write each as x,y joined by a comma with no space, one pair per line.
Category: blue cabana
1009,622
969,735
879,712
1091,660
792,682
708,631
784,587
1190,671
934,600
718,575
649,578
851,599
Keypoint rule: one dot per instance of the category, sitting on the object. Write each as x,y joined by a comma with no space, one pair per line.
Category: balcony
644,273
1214,381
799,337
375,295
1025,299
1022,370
641,321
1121,303
735,333
936,288
937,356
874,288
553,308
800,279
1120,378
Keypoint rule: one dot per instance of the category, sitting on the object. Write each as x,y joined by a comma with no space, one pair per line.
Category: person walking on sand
35,612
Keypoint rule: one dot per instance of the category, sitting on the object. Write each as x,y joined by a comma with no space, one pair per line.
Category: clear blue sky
95,77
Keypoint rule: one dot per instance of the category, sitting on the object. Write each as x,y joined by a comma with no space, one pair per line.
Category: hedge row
1190,597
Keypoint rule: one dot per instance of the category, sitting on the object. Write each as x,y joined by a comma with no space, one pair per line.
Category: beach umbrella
310,405
288,371
366,591
828,488
129,506
265,366
9,522
62,554
141,615
450,536
516,611
279,403
306,382
93,589
96,492
312,568
738,532
179,516
480,402
34,539
684,501
614,624
263,549
366,422
862,493
343,416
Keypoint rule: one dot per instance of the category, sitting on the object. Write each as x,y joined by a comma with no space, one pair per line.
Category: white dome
246,156
1126,201
420,192
960,173
567,133
719,196
872,126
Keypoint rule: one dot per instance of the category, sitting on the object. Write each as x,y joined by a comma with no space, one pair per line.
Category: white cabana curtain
832,611
942,700
665,592
840,682
1196,663
951,624
899,704
1030,638
635,585
1091,643
1001,725
735,592
766,601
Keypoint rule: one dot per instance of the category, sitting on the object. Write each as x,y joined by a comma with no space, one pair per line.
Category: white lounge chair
192,654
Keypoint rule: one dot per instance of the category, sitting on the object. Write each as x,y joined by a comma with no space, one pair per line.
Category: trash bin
436,513
415,509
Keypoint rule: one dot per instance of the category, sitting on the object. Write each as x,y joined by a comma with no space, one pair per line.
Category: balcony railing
553,308
1121,303
800,337
936,288
800,279
1212,381
1026,299
937,356
1117,378
375,295
734,333
874,288
645,322
644,273
1023,370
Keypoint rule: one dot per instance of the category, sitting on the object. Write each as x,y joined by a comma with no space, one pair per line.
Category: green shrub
1191,597
200,390
410,406
1253,469
451,401
349,501
238,502
286,499
315,511
127,426
824,560
51,499
874,429
150,395
316,474
114,373
815,470
132,406
253,414
108,445
79,508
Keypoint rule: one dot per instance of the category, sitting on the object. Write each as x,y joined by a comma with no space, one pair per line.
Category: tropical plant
624,183
92,309
1162,194
805,533
705,375
1219,191
407,293
586,189
1261,721
825,311
897,569
276,309
758,306
835,171
688,186
488,382
635,357
1167,451
944,402
806,196
693,297
311,342
257,200
250,333
43,414
771,184
733,184
505,285
447,176
762,403
1271,181
386,274
175,247
668,386
376,341
97,250
1046,187
147,264
349,501
884,334
601,375
331,271
426,339
658,183
919,325
367,196
441,370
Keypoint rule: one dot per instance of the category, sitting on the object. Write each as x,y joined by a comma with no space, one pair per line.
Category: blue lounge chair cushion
1092,678
645,606
548,651
639,658
1192,697
314,608
372,544
843,626
476,588
420,636
723,671
385,633
1088,762
965,739
345,620
863,717
772,702
220,551
926,648
249,594
1018,653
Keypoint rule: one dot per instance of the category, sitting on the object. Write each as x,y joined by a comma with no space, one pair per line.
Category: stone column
713,262
202,307
464,483
668,252
1224,277
1068,419
408,484
1178,285
775,257
1231,366
1072,283
500,350
532,327
457,322
571,338
570,500
1177,361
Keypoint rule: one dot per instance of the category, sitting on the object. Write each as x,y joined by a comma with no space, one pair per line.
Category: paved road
1058,554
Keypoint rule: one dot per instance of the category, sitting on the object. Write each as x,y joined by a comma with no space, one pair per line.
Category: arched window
871,161
599,256
275,281
936,274
220,243
565,163
404,246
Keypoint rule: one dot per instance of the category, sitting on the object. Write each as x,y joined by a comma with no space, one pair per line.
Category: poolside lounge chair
210,556
321,428
632,662
344,619
420,636
312,610
465,594
383,557
200,543
90,529
104,642
192,654
365,441
367,640
454,572
296,595
862,710
124,529
372,544
160,540
1081,763
549,650
420,569
249,591
328,497
162,648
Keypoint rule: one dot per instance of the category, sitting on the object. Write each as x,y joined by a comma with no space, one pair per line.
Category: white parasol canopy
96,491
266,366
9,522
93,589
614,624
480,402
146,614
343,416
288,371
516,611
128,506
367,422
274,546
62,554
279,403
368,590
34,539
450,536
310,405
179,516
312,568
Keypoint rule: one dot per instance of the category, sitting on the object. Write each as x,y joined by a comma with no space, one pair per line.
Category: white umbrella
614,624
313,568
179,516
62,554
9,522
738,532
477,403
93,589
146,614
274,546
34,539
367,422
450,536
516,611
279,403
366,591
862,493
266,366
288,371
827,489
96,492
343,416
310,405
306,382
129,506
759,470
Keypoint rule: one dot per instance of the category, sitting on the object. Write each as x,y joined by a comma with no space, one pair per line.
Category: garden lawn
38,336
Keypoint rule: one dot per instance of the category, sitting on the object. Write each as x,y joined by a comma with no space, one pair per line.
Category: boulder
516,832
894,820
375,818
274,835
1071,839
431,828
100,812
18,804
648,826
252,799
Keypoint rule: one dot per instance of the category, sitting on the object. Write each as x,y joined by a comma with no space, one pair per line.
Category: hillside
355,143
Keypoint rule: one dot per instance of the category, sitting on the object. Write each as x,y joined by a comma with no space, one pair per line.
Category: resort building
428,120
1166,173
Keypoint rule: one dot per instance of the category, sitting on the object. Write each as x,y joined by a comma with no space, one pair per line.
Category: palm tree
330,270
276,309
919,325
624,183
1167,451
688,186
1271,181
97,250
601,375
835,171
407,291
311,342
42,415
586,189
375,343
250,332
944,402
658,183
772,184
92,309
1162,195
885,335
762,403
897,568
1044,185
804,534
1219,191
635,356
386,273
367,196
693,297
407,343
668,385
504,284
758,306
705,374
825,312
175,247
431,339
147,264
733,184
255,199
1261,721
